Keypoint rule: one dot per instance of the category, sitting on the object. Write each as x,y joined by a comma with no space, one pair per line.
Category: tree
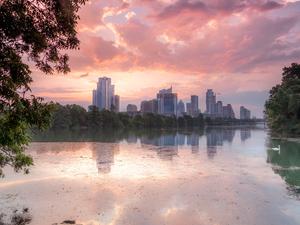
36,32
282,109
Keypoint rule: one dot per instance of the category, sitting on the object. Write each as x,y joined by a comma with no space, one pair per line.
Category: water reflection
104,154
193,141
159,177
286,163
165,142
245,134
216,137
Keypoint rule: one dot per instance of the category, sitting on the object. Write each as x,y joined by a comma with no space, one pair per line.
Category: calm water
217,177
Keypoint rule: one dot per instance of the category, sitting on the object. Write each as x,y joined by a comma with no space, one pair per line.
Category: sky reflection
219,176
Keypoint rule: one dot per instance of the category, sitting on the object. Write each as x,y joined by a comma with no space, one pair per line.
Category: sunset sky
235,47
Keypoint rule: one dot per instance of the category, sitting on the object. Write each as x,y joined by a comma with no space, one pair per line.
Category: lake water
220,176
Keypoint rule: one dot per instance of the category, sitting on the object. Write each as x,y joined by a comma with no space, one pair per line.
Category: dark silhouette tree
36,32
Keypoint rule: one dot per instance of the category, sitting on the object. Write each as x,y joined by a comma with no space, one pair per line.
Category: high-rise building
180,108
195,105
104,96
189,110
149,106
228,112
116,103
210,102
245,114
104,90
94,98
219,109
167,102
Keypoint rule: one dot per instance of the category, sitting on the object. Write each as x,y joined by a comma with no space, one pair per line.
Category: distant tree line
75,117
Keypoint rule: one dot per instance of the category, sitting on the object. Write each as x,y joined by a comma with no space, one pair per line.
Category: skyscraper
116,103
189,110
245,113
195,105
167,102
210,102
180,108
94,98
104,90
103,96
219,109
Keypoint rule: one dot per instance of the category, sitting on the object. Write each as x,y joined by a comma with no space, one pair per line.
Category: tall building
210,102
149,106
228,112
104,91
219,109
189,110
195,105
167,102
116,103
94,98
104,96
180,108
245,114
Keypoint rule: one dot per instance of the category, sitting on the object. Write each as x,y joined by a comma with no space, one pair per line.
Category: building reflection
181,139
245,134
193,141
104,154
286,163
216,137
167,144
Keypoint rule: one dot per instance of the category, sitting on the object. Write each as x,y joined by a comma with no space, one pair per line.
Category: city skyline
237,49
165,103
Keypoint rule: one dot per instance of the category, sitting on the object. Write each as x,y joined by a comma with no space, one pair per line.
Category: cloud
214,7
84,75
188,36
198,44
181,6
269,5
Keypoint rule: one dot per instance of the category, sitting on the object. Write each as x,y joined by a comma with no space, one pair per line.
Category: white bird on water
276,148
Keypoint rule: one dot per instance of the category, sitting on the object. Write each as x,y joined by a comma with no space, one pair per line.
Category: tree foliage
31,32
283,106
74,117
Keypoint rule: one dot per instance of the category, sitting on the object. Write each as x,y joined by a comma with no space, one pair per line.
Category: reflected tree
286,163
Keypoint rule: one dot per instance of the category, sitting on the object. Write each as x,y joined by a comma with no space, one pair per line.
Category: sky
237,48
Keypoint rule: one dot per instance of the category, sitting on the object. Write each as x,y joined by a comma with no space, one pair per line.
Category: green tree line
282,109
75,117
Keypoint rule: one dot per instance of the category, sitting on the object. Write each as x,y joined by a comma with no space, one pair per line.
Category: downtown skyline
238,49
166,102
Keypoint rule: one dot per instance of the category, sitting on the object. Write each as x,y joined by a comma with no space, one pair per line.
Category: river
219,176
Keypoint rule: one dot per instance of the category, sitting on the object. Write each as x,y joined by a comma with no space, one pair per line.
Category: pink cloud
200,44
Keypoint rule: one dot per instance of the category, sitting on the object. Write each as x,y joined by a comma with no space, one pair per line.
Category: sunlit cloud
230,46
